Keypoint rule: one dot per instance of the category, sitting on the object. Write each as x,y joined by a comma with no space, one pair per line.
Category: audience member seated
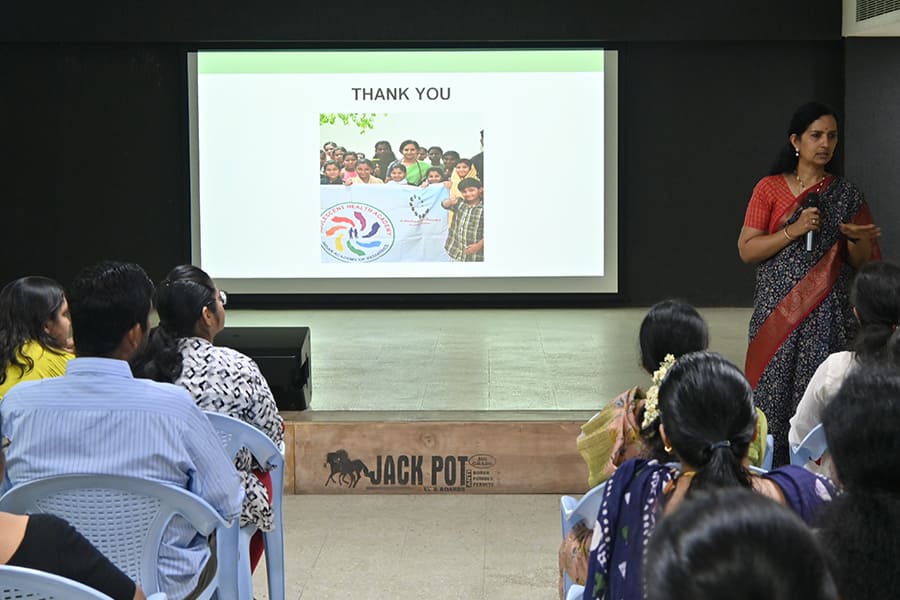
875,296
97,418
47,543
191,312
35,331
737,545
861,529
628,427
624,429
707,418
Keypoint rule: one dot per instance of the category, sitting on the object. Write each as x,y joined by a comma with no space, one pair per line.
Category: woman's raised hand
855,232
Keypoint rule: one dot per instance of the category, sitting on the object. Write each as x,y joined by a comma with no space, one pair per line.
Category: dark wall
96,155
872,131
355,21
700,124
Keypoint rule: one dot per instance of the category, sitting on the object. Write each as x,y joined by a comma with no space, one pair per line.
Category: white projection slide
524,131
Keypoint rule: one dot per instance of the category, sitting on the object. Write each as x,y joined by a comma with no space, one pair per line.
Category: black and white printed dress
225,381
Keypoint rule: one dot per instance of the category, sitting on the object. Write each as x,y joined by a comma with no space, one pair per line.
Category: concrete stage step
434,452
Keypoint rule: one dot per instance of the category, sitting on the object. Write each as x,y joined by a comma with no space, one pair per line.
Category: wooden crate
436,453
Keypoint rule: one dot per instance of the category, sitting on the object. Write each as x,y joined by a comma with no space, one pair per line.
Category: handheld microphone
812,200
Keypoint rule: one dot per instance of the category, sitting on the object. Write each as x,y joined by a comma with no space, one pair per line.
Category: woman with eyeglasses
180,350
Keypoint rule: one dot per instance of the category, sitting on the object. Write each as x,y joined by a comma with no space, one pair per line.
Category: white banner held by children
383,223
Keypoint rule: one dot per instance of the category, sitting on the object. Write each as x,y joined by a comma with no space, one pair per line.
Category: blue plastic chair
571,511
812,448
17,583
236,434
124,518
770,453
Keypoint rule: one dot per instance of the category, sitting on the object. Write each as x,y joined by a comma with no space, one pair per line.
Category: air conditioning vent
868,9
873,18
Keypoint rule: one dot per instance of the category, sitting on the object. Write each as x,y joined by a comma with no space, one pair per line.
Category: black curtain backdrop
95,159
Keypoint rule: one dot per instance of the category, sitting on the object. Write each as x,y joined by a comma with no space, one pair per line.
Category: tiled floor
453,546
414,547
480,359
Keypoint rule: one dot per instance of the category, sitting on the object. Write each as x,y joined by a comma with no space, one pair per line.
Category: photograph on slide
401,187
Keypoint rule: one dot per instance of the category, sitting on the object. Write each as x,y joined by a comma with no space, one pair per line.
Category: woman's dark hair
26,305
738,545
365,161
876,295
786,159
861,527
385,142
464,161
861,425
452,153
706,408
671,327
180,299
405,143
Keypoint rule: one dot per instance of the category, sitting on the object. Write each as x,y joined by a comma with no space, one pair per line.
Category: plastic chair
17,583
811,448
124,517
236,434
770,453
571,511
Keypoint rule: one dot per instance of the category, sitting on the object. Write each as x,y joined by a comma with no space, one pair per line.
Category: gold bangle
787,235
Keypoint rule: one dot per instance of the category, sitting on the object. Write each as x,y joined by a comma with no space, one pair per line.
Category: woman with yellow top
35,331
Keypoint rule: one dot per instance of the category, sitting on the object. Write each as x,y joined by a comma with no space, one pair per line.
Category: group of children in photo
420,166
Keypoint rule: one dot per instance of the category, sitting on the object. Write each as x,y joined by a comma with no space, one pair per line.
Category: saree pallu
634,499
612,436
801,310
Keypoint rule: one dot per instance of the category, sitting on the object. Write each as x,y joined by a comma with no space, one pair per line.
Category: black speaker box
282,354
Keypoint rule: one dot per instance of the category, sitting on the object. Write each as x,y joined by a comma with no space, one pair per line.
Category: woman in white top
875,295
191,312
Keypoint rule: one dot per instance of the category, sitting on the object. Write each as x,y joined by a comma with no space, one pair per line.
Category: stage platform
461,401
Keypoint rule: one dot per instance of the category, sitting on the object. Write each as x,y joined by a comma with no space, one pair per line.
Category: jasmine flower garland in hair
651,403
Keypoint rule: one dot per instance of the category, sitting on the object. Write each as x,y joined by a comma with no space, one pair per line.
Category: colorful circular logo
354,232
